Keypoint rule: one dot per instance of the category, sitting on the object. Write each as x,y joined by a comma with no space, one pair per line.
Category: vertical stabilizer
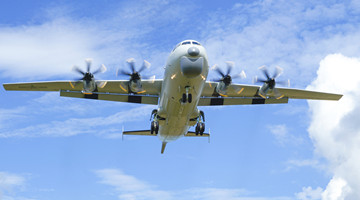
163,147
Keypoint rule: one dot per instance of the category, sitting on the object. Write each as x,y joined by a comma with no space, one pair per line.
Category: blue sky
63,148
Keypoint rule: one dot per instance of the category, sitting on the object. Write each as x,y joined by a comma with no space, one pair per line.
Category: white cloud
131,188
282,135
47,49
337,189
335,128
60,40
102,126
8,182
314,163
295,35
309,194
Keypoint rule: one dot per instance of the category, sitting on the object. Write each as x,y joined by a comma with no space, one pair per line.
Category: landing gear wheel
197,129
184,98
154,127
202,128
189,98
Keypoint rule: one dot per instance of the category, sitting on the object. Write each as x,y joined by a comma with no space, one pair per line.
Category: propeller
226,78
87,75
270,80
134,74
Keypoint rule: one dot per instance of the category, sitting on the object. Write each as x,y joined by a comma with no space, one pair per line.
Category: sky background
62,148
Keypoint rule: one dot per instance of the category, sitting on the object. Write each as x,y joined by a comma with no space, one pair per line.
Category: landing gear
189,98
200,126
154,127
186,97
154,123
183,99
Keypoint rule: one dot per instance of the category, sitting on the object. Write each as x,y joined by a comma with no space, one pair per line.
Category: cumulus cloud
335,128
309,194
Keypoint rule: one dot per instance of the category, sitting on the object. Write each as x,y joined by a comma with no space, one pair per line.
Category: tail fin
163,147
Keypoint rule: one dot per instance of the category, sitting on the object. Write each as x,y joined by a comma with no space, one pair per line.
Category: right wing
238,94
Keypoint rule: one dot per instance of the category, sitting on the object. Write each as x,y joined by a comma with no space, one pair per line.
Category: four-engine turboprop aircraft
178,95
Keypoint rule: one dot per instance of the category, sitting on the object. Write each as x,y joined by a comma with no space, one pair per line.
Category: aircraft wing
238,94
111,90
147,133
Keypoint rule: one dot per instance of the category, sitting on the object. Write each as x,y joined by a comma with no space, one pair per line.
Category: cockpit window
187,42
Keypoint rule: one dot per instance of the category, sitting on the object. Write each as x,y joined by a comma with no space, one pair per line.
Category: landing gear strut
154,123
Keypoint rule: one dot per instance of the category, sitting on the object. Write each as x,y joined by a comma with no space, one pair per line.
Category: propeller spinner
89,84
135,76
269,83
226,79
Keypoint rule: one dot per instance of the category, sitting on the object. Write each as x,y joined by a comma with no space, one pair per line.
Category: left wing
238,94
111,90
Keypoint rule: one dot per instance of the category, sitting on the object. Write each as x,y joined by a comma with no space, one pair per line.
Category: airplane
178,95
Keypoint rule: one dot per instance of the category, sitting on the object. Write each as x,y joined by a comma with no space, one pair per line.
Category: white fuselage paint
177,114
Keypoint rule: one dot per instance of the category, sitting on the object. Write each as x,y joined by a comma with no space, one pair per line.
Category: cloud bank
335,127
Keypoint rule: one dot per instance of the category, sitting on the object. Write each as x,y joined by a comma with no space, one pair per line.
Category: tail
163,147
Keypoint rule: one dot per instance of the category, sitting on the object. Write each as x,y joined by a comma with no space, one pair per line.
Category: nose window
196,43
187,42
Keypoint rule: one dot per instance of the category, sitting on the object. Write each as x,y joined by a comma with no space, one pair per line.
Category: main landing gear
186,97
154,123
200,126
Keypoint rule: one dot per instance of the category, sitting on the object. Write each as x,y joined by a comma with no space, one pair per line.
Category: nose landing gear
186,97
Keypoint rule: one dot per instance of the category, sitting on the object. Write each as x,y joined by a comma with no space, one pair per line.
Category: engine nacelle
221,88
264,90
135,86
89,87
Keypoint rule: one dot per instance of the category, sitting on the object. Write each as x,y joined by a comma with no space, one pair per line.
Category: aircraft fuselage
185,75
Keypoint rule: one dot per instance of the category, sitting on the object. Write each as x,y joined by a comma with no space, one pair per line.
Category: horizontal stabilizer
141,132
193,134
